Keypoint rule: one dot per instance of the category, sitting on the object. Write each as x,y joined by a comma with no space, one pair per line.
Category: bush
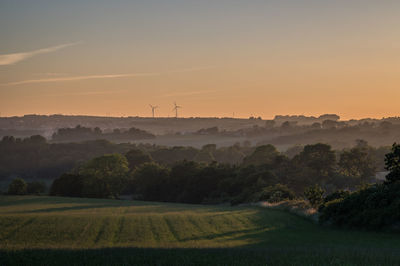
377,207
17,187
335,196
314,195
277,193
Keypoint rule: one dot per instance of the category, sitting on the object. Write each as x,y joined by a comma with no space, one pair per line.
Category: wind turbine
176,107
153,108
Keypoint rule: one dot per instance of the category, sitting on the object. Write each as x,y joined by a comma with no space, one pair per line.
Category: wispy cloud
106,76
188,93
76,78
10,59
51,74
89,93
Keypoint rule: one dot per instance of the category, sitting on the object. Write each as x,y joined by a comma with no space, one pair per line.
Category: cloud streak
77,78
10,59
106,76
89,93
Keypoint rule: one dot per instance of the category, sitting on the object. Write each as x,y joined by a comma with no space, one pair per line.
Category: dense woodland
36,158
262,174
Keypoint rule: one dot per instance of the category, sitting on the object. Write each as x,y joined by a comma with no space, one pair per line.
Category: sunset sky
214,58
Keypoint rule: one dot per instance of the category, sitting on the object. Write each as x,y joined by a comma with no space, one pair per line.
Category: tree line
80,133
261,172
36,158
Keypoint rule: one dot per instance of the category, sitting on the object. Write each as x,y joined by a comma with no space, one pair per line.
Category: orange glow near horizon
215,60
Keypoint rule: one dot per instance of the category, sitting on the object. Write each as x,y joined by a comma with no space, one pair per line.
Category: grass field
73,231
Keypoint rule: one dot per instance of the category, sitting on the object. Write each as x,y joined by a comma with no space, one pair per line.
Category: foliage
33,157
374,208
137,157
318,157
169,156
335,196
265,154
149,181
36,187
104,176
277,193
392,161
17,187
340,194
67,185
357,163
191,181
204,179
314,195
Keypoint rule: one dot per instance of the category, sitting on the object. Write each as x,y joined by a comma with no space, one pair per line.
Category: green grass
73,231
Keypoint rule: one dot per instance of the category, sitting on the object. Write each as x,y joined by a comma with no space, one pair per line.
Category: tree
105,176
204,156
182,173
314,195
67,185
265,154
137,157
333,117
319,157
293,151
150,181
392,162
357,163
36,187
17,187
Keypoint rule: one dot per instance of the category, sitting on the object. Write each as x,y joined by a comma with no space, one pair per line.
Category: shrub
377,207
276,193
314,195
17,187
337,195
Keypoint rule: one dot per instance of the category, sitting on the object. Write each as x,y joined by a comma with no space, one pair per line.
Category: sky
214,58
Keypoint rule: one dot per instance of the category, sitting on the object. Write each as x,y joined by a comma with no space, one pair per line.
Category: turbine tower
153,108
176,107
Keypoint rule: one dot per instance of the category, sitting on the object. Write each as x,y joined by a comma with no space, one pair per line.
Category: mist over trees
34,157
80,133
264,174
282,131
